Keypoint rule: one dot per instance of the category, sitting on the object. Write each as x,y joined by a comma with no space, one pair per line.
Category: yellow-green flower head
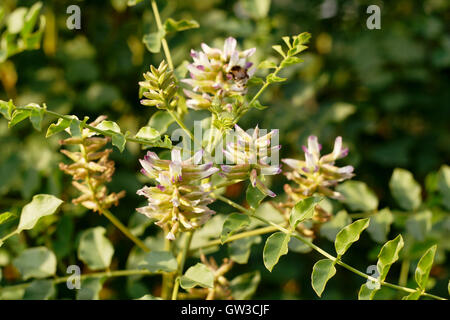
218,72
316,173
251,155
177,201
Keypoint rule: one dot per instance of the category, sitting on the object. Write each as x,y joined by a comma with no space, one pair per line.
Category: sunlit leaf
275,247
233,223
406,191
159,261
303,210
358,196
424,266
95,249
323,271
41,205
349,235
38,262
198,275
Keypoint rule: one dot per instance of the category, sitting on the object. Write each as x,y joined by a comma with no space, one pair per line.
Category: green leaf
331,228
41,205
198,275
279,49
90,288
290,61
412,296
57,127
110,126
5,216
39,290
271,78
175,26
266,64
75,127
366,293
233,223
349,235
424,266
419,224
119,140
18,116
275,247
358,196
38,262
406,191
31,19
95,249
257,9
296,245
287,40
444,185
152,41
389,254
303,210
380,224
323,271
16,20
239,250
254,196
132,3
161,120
149,297
302,38
6,109
159,261
244,286
36,116
148,133
253,81
257,105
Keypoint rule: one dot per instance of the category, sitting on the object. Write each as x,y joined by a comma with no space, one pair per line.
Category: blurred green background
386,92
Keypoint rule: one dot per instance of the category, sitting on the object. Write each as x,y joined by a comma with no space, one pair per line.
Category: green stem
2,240
181,263
404,271
320,250
167,277
124,229
181,124
161,28
235,237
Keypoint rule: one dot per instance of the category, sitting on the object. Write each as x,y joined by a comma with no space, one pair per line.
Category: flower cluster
91,169
317,174
177,202
251,155
159,88
216,72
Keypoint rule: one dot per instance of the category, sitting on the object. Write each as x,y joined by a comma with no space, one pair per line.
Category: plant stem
9,235
404,271
124,229
181,124
235,237
320,250
181,262
167,277
161,28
